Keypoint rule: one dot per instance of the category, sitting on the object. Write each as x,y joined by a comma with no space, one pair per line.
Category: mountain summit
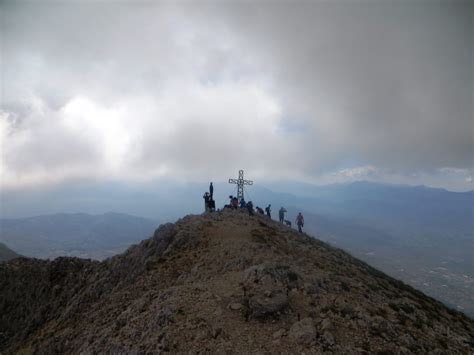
217,282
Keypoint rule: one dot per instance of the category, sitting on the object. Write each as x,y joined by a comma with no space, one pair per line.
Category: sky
311,91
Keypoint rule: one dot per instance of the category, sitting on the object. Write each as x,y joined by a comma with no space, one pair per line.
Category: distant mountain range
6,253
422,235
79,234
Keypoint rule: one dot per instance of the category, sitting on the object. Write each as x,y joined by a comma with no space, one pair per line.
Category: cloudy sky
314,91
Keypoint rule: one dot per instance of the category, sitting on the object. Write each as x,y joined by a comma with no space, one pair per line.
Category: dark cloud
305,90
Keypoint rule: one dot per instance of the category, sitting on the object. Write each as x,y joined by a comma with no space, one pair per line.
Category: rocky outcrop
221,282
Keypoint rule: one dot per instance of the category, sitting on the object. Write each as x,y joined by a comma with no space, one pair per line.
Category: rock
165,317
202,334
279,333
348,311
271,274
216,332
262,307
326,324
328,338
235,306
406,339
164,344
379,326
303,332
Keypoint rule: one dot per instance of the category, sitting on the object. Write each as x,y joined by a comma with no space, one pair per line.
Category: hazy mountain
6,253
422,235
222,282
79,234
395,208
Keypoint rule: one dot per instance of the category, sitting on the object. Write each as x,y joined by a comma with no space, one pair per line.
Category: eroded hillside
220,282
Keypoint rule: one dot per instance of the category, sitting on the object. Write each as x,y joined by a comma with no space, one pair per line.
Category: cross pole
240,184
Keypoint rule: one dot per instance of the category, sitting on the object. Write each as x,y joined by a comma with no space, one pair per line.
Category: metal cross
240,184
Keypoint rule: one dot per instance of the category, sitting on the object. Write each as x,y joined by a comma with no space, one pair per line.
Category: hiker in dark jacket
211,190
300,222
250,208
269,211
212,205
281,214
235,203
206,198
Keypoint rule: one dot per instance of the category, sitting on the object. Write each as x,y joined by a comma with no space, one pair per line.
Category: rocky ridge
221,282
6,253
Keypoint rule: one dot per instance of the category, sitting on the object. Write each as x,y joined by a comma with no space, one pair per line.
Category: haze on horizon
312,91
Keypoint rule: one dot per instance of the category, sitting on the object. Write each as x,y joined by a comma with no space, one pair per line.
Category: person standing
250,208
300,222
269,211
281,214
212,205
206,198
235,203
211,191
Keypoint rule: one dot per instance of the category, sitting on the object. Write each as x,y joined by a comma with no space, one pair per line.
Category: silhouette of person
235,203
281,214
269,211
206,198
212,205
250,208
300,222
211,190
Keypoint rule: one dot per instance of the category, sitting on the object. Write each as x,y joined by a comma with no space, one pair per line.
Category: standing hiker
211,190
269,211
242,203
206,198
212,205
300,222
281,214
235,203
250,208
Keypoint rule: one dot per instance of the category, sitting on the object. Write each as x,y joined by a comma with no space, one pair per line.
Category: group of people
234,203
299,219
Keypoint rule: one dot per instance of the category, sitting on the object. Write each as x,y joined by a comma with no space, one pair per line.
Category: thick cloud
316,91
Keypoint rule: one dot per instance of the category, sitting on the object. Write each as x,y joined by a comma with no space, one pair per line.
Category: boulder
261,306
271,274
303,332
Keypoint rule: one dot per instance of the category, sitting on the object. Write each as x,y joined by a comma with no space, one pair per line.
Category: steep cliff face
225,281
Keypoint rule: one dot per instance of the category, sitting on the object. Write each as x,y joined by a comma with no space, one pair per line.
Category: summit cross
240,184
